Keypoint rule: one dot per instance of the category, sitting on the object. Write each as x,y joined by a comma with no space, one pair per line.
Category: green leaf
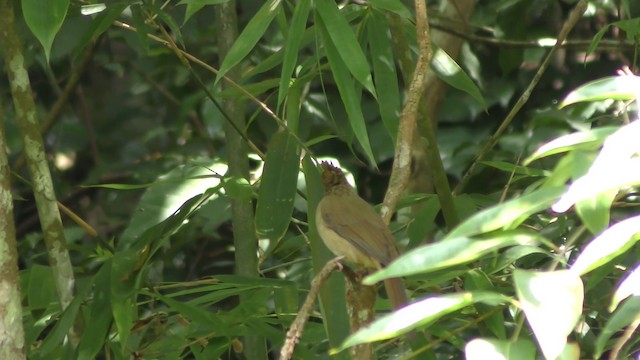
624,87
237,188
448,253
482,349
626,313
100,24
384,72
448,70
344,41
41,289
630,286
395,6
278,186
552,303
419,313
612,242
62,326
348,94
193,6
516,169
100,316
44,19
168,194
202,317
513,254
295,36
477,280
591,139
508,214
594,209
249,37
615,167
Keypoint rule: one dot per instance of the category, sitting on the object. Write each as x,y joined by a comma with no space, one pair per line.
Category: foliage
543,263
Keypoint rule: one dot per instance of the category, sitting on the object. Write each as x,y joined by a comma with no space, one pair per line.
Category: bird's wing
356,221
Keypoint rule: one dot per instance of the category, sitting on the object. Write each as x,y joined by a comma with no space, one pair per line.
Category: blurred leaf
344,41
615,167
612,242
44,19
250,36
395,6
41,290
384,72
593,210
450,252
100,315
552,302
508,214
294,40
142,28
630,286
418,314
493,349
62,326
623,88
516,169
350,97
193,6
627,313
591,139
448,71
511,255
100,24
278,187
168,194
200,316
477,280
237,188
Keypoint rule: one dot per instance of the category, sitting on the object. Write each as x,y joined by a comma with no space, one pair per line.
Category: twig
604,44
401,170
571,21
297,327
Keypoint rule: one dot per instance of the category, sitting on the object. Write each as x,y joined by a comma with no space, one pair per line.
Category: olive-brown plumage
350,227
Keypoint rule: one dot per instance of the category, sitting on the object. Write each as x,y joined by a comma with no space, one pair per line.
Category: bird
350,227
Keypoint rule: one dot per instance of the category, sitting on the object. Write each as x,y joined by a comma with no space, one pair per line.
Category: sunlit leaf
615,167
612,242
494,349
419,313
630,286
552,302
616,87
508,214
591,139
449,252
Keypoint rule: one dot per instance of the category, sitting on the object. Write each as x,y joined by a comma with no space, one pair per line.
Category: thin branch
571,21
603,45
401,170
297,327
